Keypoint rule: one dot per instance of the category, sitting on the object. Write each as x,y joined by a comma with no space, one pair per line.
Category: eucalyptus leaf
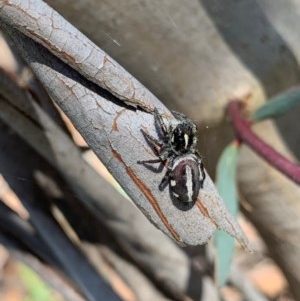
278,105
36,288
226,184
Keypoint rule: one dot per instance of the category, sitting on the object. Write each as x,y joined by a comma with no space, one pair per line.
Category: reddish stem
245,134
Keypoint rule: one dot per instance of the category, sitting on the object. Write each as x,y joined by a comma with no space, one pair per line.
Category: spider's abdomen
186,178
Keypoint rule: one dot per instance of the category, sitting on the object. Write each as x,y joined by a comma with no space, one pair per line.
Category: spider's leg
198,154
156,147
155,144
164,181
182,117
149,161
160,122
165,153
151,139
179,116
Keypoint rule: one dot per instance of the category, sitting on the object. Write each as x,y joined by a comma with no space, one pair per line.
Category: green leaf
278,105
226,184
35,286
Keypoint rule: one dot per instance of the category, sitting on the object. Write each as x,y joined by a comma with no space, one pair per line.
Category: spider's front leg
155,144
161,123
179,116
158,147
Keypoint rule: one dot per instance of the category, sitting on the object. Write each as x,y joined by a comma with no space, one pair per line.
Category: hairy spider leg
198,154
162,152
165,153
165,179
180,116
183,117
160,122
154,143
149,161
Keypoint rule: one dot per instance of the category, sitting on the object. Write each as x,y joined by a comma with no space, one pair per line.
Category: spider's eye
182,137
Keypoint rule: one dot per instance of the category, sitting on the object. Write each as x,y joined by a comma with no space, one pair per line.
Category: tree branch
245,134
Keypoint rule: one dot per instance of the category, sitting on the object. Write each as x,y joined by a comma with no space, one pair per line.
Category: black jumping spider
185,173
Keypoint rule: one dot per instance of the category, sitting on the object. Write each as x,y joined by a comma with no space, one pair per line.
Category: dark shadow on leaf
50,60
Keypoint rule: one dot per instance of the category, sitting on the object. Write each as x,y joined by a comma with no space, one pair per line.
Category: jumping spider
185,171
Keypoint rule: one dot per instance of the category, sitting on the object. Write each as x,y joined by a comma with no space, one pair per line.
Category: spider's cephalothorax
185,173
183,137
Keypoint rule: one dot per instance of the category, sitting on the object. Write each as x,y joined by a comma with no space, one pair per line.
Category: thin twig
245,134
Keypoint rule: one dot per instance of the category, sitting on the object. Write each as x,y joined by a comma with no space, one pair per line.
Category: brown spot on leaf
115,124
148,194
204,211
